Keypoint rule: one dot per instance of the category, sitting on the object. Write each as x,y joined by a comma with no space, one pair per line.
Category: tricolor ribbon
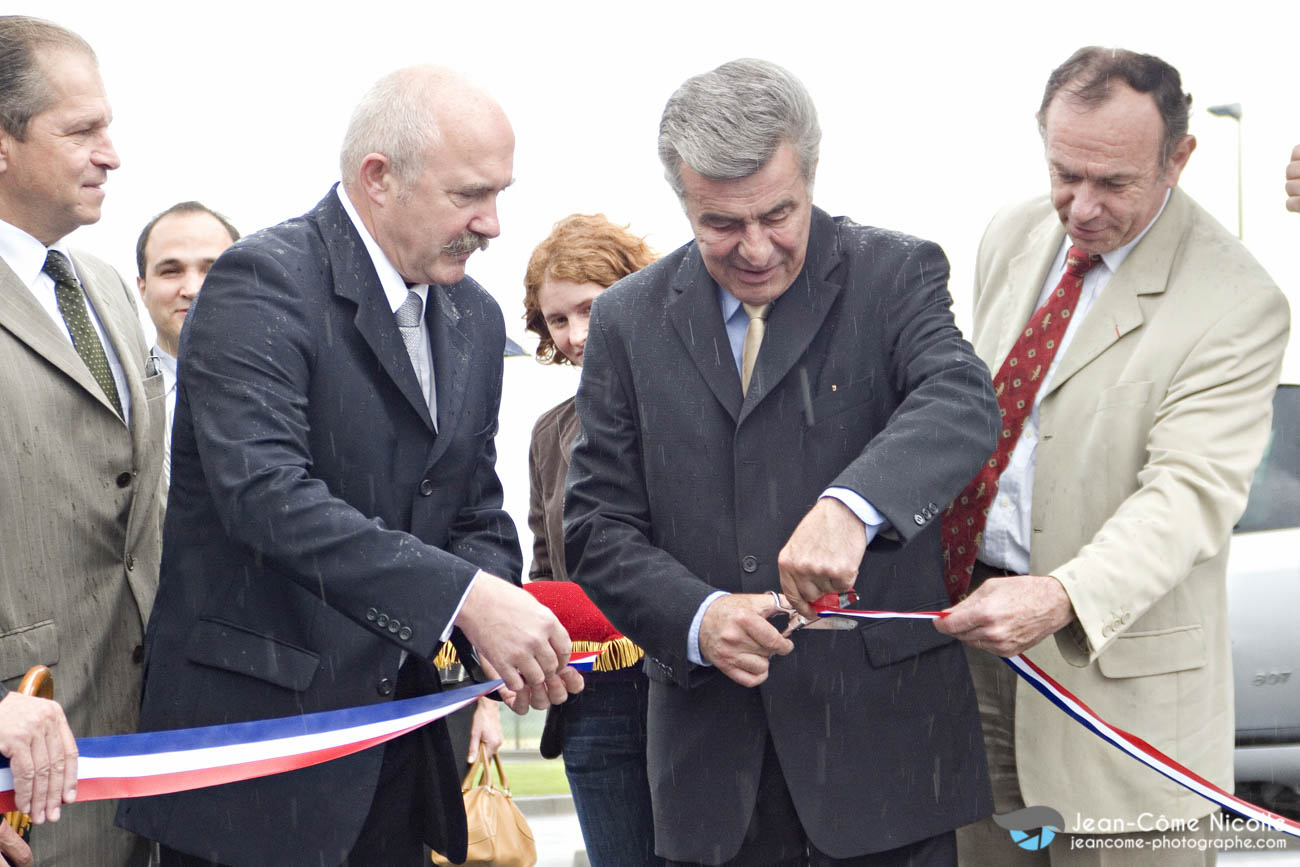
159,763
1115,736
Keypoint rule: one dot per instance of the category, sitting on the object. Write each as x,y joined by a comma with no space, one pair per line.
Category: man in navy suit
335,509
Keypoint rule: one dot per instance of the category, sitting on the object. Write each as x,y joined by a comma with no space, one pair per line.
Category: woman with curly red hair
601,732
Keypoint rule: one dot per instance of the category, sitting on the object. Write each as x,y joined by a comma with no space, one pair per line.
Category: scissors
795,620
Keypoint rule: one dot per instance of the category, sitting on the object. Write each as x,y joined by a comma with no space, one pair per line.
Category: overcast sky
926,110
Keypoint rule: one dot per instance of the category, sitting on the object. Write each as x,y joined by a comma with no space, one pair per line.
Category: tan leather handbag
499,835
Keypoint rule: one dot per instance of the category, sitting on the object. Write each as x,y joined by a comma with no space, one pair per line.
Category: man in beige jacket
1109,514
80,428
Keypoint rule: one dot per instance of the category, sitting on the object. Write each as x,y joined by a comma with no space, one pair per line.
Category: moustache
466,243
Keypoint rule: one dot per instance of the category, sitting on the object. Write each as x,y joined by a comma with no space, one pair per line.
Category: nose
755,246
105,154
191,283
486,222
1086,204
578,331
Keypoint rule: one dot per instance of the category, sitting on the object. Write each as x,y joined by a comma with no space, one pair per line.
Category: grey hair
24,90
397,118
726,124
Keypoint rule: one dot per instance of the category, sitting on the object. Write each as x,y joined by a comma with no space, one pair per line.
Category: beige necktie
753,340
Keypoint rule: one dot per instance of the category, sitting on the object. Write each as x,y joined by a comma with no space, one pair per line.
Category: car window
1275,494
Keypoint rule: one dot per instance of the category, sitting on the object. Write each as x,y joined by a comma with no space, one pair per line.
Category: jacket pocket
892,641
232,648
20,649
1121,394
840,399
1160,651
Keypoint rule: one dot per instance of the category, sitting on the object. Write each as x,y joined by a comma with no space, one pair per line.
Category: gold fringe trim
447,656
619,653
616,654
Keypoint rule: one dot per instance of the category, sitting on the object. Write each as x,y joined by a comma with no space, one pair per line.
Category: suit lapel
97,284
146,440
355,279
22,315
1118,310
696,316
451,359
798,314
1025,276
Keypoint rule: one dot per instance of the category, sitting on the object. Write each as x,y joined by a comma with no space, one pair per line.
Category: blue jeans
604,759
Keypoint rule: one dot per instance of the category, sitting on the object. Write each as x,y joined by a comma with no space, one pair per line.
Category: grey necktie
753,340
72,306
410,322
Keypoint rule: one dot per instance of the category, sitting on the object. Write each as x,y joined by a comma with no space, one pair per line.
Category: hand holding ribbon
1009,615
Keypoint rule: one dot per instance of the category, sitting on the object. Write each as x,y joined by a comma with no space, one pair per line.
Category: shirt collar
166,364
730,303
394,286
25,255
166,360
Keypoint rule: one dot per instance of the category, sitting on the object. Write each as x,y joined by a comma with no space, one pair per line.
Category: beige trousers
984,844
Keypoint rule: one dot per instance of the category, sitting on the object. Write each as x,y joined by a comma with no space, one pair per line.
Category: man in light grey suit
1125,467
81,431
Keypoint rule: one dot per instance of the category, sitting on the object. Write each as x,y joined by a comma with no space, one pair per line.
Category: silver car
1264,599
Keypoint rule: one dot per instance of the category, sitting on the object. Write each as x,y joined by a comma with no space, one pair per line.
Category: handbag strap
483,766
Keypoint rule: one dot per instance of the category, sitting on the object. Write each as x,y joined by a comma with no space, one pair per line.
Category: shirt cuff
446,632
693,637
872,521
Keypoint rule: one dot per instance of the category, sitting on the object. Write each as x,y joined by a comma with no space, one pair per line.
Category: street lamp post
1233,110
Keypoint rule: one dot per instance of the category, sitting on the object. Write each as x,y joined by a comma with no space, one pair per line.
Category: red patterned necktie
1016,384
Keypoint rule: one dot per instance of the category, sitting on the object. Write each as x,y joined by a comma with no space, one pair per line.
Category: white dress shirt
1009,528
26,256
395,290
167,366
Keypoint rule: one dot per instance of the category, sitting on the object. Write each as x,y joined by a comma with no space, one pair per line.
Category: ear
1178,159
6,144
376,177
139,284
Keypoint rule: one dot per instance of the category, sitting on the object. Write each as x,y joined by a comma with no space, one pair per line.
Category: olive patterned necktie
72,306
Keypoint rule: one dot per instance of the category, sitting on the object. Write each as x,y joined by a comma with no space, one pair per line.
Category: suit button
130,562
918,519
385,686
749,563
394,625
426,487
123,479
371,614
137,655
404,633
381,621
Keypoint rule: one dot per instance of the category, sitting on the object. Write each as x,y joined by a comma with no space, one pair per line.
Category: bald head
425,156
403,116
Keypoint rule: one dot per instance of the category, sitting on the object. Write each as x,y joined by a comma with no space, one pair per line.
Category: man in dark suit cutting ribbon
334,508
783,403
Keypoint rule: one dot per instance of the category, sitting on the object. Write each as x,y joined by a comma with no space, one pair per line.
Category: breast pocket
1124,394
838,425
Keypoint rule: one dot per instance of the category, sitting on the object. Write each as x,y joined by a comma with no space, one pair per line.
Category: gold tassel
447,656
620,653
